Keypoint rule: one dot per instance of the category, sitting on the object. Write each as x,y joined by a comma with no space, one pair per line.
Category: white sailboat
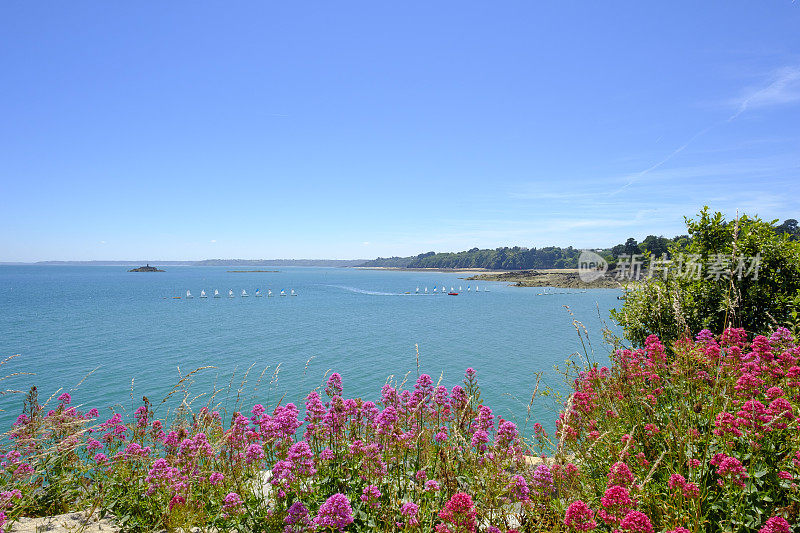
426,290
417,290
444,290
269,293
189,295
203,294
216,293
468,289
230,293
459,288
294,293
244,294
452,289
283,292
435,290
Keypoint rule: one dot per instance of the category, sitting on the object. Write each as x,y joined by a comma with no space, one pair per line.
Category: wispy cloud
783,88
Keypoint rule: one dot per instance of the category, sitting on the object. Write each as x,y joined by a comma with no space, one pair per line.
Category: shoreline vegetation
559,278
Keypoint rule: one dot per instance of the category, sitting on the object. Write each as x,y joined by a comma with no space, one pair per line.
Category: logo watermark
591,266
635,267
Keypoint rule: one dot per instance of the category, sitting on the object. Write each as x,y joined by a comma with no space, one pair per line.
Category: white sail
244,293
444,289
269,293
435,289
426,290
417,289
203,294
283,292
230,293
216,293
294,293
188,294
459,288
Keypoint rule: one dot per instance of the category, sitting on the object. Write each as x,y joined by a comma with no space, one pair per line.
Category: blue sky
191,130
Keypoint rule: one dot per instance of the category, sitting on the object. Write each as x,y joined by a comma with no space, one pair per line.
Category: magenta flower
620,474
298,519
334,385
432,486
459,512
579,517
409,510
776,524
636,522
232,504
335,513
371,495
65,398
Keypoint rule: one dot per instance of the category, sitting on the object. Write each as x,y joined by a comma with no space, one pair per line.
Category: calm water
67,321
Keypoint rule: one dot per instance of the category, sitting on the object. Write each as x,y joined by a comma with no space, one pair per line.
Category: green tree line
523,258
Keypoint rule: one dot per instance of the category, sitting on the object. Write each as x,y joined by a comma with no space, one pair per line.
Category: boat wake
364,291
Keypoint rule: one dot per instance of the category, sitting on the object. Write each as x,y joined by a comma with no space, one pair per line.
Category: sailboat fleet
452,292
258,294
244,294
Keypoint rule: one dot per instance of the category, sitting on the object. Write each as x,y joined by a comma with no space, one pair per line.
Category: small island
146,268
241,271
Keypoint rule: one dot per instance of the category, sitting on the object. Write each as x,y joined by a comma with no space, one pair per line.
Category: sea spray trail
364,291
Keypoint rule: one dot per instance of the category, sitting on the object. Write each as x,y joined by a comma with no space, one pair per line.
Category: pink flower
65,398
579,517
232,504
776,524
636,522
620,474
298,519
335,513
616,504
458,514
410,510
729,468
432,486
370,495
334,385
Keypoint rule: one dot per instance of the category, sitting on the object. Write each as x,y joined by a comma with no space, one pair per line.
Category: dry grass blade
183,380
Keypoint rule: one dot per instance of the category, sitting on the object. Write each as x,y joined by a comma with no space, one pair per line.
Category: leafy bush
756,294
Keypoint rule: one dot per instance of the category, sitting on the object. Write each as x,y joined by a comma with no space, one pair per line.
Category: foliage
703,436
749,277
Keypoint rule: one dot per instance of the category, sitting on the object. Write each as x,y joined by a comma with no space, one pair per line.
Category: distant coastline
243,271
444,270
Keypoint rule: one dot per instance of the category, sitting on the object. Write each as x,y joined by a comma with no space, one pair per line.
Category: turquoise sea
66,321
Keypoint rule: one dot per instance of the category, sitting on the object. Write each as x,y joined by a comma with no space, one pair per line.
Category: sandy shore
561,278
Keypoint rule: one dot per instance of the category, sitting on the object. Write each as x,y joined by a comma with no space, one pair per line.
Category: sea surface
109,337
